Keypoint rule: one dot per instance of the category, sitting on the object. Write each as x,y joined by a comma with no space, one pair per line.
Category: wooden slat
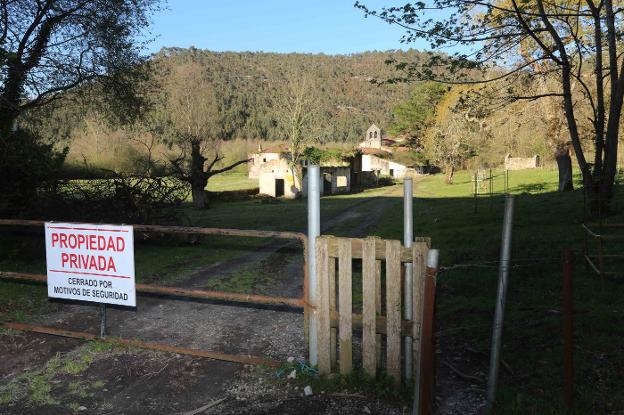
369,308
407,327
356,250
322,271
345,306
425,239
332,310
378,304
393,309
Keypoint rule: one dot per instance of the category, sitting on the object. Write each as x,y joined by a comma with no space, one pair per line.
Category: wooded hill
342,83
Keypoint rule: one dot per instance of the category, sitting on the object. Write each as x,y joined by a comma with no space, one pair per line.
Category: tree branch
230,167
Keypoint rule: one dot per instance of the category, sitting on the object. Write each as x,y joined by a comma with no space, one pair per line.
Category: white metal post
408,238
503,274
314,230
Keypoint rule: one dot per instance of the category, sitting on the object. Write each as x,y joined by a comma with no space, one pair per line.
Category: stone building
275,176
277,179
263,156
335,178
520,163
376,156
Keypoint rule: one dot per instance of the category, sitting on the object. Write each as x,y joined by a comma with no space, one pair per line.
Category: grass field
545,223
236,180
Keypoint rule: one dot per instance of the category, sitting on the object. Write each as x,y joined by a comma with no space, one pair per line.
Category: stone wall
256,161
520,163
384,167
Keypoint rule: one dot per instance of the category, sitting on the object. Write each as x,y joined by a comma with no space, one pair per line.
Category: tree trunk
10,97
564,164
450,171
199,179
7,119
297,175
200,197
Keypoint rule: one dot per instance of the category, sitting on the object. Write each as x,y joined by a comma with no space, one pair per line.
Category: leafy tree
414,116
191,116
455,133
508,39
51,46
27,165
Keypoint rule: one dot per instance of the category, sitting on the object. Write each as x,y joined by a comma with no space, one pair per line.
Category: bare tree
50,46
506,39
190,117
298,112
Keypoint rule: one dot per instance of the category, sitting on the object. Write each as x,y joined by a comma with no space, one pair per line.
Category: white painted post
314,230
408,238
503,274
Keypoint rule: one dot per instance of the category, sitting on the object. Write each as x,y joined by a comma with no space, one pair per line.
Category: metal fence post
503,274
314,230
476,192
408,282
424,391
568,365
102,320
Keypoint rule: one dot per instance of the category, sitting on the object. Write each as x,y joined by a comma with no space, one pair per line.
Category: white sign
90,262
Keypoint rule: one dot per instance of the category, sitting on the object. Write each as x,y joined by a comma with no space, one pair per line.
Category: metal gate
290,304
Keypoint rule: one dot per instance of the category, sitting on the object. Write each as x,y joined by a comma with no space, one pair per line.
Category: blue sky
313,26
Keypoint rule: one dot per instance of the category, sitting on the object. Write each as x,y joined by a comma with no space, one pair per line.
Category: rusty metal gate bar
293,303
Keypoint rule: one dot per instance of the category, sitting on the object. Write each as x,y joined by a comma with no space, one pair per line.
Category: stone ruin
520,163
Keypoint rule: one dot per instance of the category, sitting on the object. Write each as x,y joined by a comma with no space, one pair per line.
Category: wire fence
513,263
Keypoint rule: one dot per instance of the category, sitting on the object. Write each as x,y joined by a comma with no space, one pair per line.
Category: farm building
275,176
376,157
276,179
335,177
263,156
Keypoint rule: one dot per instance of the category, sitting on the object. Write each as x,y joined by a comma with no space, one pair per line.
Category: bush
120,199
385,181
26,166
32,186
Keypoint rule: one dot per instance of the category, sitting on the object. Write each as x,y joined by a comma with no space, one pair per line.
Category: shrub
120,199
26,166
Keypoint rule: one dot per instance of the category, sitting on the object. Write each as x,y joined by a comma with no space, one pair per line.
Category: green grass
274,214
237,180
545,223
38,387
160,261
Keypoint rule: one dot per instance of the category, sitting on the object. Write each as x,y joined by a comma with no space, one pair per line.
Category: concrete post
503,274
408,282
314,230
